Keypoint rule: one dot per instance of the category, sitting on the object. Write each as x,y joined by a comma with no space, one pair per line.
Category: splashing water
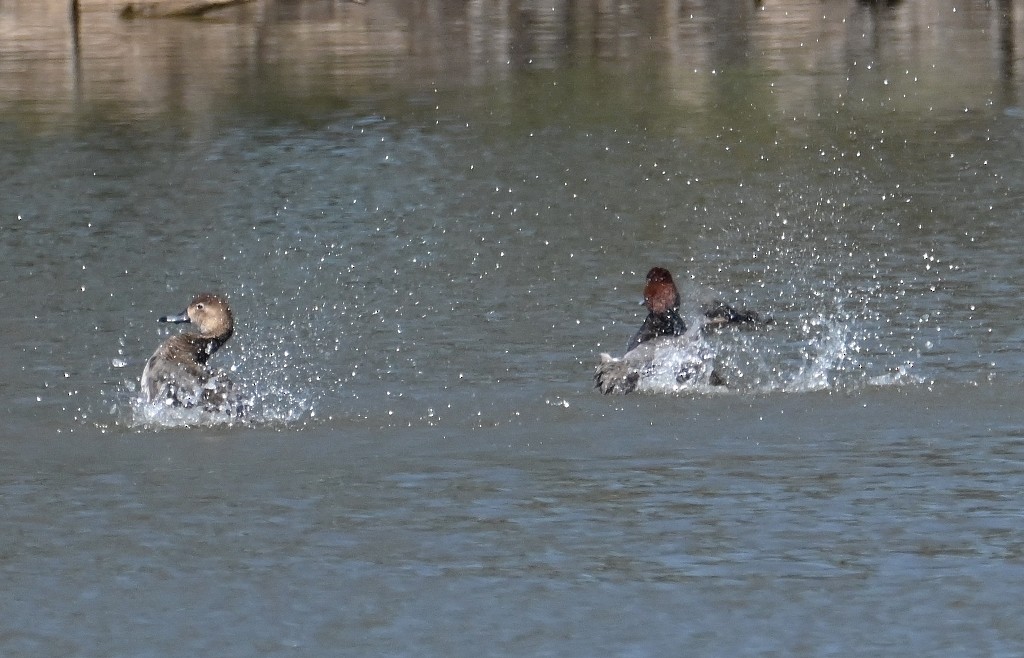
829,350
668,364
829,331
278,384
272,398
816,354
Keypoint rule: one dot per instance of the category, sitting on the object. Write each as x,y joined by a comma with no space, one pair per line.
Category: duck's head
660,293
210,313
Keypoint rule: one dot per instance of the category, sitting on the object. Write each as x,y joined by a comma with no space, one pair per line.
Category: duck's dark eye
199,307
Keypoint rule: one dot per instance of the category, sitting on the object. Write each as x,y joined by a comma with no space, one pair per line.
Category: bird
178,374
662,337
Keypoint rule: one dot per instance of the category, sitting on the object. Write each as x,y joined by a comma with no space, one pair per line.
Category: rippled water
430,220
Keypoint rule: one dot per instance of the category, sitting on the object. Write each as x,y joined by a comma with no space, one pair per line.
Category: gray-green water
430,218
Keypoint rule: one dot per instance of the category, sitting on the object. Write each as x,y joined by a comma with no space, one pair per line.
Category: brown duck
178,375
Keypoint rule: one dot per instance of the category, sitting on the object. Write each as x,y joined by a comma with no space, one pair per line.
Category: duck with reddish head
178,374
661,297
663,348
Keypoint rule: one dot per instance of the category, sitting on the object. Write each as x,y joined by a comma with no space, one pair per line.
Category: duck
664,336
661,297
178,374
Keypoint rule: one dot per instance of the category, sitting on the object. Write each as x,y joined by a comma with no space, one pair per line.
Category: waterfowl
661,297
662,339
178,375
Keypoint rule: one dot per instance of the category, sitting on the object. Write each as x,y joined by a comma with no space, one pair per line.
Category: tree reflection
692,53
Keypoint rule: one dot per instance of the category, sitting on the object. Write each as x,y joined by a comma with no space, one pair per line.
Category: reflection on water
880,57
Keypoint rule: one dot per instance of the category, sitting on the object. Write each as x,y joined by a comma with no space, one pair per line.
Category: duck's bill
181,317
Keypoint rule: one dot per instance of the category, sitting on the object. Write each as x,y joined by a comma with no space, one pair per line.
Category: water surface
430,218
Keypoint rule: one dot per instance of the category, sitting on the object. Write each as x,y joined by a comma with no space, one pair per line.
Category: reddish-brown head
660,293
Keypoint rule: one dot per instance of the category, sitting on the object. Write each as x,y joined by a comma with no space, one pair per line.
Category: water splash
668,364
833,349
842,345
270,401
281,386
815,354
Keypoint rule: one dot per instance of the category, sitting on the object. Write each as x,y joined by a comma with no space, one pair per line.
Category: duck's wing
622,375
719,313
664,363
615,376
220,395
